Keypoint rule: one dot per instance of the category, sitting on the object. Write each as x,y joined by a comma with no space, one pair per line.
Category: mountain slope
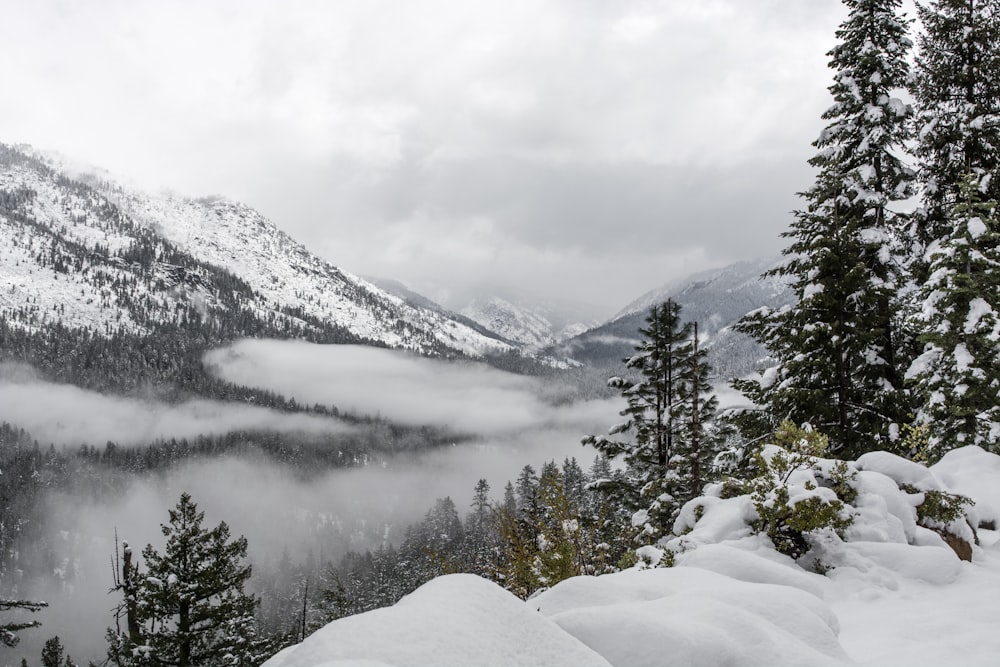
101,255
511,322
716,299
534,324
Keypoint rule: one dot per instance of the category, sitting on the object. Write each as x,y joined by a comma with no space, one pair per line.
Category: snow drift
894,593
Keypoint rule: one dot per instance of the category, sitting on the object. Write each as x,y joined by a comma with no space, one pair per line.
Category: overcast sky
587,150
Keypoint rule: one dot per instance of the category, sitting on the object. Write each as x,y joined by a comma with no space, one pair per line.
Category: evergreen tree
189,605
669,409
9,629
482,546
527,491
958,375
703,437
957,91
838,349
52,653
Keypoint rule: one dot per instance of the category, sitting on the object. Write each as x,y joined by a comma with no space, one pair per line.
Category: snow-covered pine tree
658,456
838,348
958,375
702,438
9,629
189,604
957,92
481,548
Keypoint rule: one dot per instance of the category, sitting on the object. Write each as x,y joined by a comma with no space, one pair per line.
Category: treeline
547,525
29,470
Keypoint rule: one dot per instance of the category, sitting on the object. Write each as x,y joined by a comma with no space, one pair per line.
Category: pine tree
481,548
189,605
958,375
838,349
527,492
957,91
702,438
9,629
661,410
52,653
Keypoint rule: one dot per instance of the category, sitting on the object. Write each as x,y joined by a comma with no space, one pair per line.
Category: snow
459,620
978,309
895,594
696,617
973,472
899,470
976,227
215,231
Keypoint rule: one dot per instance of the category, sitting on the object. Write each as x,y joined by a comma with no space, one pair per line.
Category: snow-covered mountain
533,325
511,322
716,299
90,252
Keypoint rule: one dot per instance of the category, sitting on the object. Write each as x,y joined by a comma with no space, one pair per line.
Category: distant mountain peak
716,299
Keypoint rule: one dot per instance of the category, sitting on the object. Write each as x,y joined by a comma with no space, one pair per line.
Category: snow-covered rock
460,620
973,472
690,616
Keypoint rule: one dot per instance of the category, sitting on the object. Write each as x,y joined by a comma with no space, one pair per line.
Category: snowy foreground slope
897,594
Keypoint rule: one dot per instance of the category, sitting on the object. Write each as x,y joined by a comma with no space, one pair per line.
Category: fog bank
400,386
67,415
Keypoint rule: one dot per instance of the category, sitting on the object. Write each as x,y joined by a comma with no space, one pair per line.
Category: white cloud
345,121
66,415
466,397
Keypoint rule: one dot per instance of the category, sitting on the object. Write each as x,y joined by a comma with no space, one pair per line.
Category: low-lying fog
514,417
63,414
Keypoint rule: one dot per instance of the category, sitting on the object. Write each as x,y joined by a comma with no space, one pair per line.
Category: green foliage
52,654
914,442
956,87
957,377
733,487
802,440
548,541
789,513
788,524
941,508
189,606
841,481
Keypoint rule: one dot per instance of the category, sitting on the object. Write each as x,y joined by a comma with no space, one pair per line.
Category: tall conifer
189,604
958,374
957,266
957,91
838,348
669,411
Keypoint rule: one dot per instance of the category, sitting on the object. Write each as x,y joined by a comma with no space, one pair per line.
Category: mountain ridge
715,298
169,249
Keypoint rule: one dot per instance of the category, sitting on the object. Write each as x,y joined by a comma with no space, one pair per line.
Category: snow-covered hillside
896,594
64,242
728,289
533,326
511,322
